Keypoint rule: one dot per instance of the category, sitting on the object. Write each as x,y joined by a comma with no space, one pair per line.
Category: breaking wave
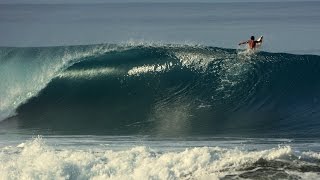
161,90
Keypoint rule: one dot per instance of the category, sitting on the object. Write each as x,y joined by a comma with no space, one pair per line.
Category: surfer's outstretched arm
244,42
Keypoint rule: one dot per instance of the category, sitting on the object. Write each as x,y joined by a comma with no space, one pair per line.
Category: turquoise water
158,111
165,90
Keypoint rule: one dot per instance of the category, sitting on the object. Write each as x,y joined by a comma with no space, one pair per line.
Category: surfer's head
252,38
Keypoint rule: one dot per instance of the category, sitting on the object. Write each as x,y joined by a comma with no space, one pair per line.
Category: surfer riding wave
251,42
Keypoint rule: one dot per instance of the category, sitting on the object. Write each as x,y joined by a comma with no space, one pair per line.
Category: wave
161,90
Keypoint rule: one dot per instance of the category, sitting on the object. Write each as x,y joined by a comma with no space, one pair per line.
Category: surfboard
259,44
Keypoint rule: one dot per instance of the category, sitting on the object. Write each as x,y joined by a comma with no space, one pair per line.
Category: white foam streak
149,68
89,73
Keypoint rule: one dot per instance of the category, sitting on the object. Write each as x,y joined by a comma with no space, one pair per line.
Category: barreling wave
161,90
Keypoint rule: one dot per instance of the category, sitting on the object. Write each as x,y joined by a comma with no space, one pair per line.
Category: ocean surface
159,90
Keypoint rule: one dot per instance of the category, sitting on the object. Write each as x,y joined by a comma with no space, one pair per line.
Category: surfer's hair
252,38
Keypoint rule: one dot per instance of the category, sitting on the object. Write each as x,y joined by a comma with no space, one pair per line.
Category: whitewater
159,90
122,157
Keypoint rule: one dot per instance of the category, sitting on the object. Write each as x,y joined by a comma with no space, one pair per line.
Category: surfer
252,43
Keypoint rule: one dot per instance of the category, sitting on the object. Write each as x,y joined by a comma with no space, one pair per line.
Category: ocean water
288,26
159,90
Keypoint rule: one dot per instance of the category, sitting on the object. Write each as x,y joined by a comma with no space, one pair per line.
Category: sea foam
35,159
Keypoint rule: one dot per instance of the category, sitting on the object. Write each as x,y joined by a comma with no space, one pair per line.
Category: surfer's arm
244,42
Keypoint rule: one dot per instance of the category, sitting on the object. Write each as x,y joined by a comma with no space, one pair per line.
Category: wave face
160,90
